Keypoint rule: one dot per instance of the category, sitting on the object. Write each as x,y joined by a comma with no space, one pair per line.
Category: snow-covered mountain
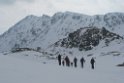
44,31
87,38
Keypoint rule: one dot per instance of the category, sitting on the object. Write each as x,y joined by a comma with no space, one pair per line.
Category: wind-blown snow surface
15,68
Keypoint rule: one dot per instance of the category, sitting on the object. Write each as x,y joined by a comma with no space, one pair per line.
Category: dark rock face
87,38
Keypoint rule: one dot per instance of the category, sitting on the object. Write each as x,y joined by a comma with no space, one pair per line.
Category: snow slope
19,70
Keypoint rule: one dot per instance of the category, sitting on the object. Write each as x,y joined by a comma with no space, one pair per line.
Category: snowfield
26,67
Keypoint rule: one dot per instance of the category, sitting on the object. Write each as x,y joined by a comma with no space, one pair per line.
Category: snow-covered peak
31,17
114,18
45,16
75,14
43,31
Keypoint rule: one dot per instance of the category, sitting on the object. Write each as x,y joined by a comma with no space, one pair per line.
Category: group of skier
66,61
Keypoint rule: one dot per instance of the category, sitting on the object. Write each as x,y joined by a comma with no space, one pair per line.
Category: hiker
63,63
67,61
82,60
75,62
92,61
59,59
71,64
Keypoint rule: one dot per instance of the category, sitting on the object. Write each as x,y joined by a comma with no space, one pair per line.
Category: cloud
90,7
11,2
81,6
7,2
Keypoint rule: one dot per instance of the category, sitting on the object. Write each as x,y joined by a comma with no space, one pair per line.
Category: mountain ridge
43,31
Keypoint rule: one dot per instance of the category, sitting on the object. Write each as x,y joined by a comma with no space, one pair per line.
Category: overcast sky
11,11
